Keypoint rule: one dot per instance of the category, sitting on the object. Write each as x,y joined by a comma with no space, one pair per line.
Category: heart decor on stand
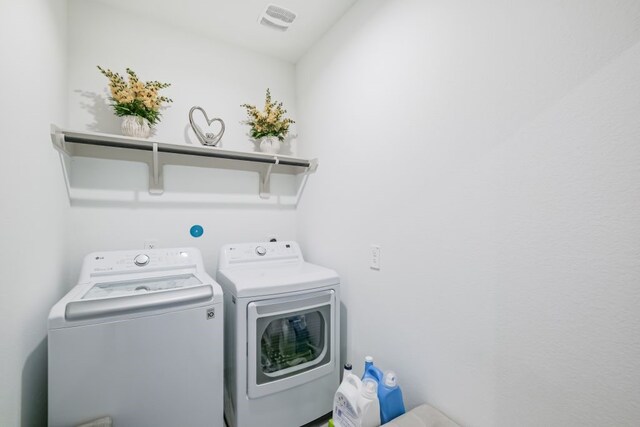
206,138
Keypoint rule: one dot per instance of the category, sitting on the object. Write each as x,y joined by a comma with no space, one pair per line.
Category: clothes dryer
282,326
139,339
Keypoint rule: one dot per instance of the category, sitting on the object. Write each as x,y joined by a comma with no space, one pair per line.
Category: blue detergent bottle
371,371
390,396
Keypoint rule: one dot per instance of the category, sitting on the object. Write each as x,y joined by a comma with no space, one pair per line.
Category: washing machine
139,339
282,329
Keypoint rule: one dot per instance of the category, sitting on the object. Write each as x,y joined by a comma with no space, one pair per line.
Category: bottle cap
390,379
348,367
369,388
368,359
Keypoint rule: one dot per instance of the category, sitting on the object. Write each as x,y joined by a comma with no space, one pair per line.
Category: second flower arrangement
268,126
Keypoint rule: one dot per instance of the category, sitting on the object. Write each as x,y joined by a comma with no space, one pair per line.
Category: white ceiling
236,21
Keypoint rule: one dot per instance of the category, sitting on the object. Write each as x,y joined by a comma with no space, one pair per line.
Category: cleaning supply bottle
390,395
345,401
371,371
348,370
368,404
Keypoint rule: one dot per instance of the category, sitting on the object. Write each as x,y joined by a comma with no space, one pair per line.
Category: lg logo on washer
211,313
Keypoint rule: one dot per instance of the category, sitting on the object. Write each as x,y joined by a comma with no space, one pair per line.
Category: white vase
270,145
135,126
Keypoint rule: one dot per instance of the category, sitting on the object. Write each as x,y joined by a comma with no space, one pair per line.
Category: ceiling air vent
277,17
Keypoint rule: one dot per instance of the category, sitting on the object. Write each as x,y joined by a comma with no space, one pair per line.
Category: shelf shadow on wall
189,184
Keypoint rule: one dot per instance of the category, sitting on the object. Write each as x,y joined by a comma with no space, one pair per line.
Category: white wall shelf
156,154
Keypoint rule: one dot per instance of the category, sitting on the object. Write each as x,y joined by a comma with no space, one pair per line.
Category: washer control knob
141,260
261,250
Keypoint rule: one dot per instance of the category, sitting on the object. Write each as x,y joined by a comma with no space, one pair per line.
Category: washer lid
268,280
124,285
140,286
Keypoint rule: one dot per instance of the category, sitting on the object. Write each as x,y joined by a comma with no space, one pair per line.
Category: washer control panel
260,252
132,261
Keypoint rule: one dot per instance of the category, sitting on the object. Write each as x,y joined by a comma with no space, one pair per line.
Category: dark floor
321,422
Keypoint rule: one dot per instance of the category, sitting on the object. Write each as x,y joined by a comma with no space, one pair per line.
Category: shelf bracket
313,166
57,137
265,177
155,173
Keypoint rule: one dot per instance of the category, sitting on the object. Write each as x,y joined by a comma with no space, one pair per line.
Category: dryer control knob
141,260
261,250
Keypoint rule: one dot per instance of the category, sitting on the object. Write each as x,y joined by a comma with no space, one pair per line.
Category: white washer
282,331
139,339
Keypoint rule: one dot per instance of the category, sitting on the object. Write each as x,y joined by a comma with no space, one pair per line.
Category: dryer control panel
260,253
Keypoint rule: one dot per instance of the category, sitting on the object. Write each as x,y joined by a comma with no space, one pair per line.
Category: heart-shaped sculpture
206,138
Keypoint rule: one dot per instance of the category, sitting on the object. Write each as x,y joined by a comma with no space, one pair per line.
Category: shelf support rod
265,191
313,166
155,179
57,137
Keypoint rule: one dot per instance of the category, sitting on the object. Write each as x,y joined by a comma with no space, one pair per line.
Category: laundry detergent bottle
368,404
390,395
368,361
371,371
345,401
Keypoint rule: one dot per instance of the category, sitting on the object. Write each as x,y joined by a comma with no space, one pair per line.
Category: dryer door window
290,341
290,344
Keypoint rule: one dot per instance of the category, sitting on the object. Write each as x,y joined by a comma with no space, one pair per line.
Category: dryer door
291,341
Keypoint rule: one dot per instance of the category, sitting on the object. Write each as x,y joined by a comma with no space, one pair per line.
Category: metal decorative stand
209,139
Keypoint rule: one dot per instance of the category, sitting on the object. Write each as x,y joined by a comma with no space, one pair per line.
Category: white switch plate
375,257
151,244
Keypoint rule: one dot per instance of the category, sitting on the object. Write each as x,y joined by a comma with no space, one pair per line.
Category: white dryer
282,331
139,339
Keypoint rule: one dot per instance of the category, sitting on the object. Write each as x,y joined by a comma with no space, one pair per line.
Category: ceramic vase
136,126
270,145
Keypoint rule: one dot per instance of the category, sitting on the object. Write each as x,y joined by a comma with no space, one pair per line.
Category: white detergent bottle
368,404
345,401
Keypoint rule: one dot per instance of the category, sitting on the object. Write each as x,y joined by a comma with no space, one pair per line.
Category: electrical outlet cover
375,257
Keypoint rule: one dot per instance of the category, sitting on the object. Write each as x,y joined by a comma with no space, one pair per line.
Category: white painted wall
491,149
32,243
204,72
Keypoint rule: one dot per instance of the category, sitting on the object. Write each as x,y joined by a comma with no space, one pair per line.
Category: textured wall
491,149
34,203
